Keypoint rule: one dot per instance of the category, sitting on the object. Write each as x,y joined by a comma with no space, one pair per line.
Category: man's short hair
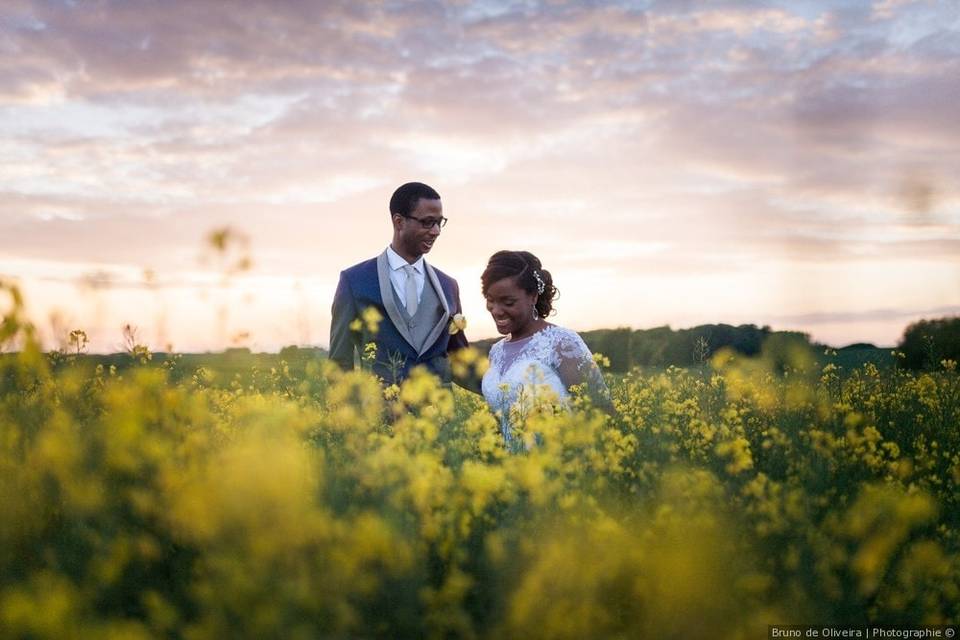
406,197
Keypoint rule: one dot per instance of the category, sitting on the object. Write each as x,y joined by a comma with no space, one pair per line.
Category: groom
414,300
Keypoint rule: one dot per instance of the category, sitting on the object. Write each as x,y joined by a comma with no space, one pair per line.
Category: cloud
105,49
868,315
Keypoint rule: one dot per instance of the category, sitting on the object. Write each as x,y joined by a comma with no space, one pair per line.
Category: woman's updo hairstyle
524,268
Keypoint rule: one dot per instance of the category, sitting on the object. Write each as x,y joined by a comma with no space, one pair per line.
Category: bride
537,361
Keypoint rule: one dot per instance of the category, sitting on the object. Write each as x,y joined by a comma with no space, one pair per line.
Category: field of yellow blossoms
150,502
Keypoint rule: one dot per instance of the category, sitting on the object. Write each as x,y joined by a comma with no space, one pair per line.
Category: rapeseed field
712,502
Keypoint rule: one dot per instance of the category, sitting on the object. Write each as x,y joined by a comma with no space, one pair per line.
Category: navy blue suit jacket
368,285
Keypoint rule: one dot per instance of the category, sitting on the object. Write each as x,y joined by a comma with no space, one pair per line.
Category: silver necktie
411,290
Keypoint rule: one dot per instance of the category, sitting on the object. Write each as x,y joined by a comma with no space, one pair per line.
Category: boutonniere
457,323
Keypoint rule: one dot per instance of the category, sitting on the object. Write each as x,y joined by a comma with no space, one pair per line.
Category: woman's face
510,306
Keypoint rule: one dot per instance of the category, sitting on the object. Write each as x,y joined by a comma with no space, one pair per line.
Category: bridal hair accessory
540,285
457,323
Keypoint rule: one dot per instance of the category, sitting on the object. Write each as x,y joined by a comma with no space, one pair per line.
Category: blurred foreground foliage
769,490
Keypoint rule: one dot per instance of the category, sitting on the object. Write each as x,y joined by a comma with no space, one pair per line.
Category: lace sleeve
495,357
576,366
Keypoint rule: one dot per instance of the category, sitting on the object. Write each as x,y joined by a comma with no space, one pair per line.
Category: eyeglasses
427,223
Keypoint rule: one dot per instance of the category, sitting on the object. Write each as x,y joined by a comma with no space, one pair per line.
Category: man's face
414,235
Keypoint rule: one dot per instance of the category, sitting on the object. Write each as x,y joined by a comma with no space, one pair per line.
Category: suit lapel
441,325
389,303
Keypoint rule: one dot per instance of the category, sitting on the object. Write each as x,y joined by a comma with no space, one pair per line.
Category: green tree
926,342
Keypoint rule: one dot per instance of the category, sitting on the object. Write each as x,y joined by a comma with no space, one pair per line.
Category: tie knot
409,270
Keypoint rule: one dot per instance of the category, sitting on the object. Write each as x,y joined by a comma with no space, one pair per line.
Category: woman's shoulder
567,341
556,332
498,345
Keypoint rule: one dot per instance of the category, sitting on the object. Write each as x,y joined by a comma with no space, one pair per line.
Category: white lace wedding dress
537,369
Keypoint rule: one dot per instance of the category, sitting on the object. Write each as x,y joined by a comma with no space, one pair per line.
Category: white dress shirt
399,278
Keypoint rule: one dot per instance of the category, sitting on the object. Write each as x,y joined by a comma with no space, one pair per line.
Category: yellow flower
392,392
602,361
457,323
371,319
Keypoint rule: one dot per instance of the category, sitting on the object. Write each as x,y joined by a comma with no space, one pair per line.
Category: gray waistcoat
427,315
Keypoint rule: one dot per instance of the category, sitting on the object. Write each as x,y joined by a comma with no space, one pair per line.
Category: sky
793,164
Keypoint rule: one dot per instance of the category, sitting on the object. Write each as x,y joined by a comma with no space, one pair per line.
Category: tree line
926,344
662,346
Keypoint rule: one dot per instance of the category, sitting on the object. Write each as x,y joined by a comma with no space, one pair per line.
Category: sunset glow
785,163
